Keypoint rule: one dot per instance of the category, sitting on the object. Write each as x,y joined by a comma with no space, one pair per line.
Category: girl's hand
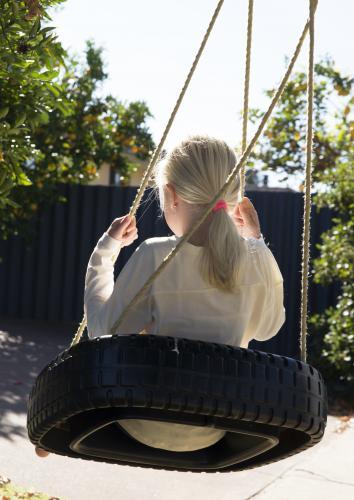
246,219
124,230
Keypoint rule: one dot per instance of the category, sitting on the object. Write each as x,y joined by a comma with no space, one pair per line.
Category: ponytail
222,254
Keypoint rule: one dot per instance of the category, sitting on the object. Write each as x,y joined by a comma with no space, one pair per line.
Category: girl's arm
266,299
104,300
268,313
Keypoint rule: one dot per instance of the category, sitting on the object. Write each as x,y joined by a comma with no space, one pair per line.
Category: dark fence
46,279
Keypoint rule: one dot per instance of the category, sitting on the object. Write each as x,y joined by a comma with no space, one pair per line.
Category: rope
158,150
220,194
246,94
308,182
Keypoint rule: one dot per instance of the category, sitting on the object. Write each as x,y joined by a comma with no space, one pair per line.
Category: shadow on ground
26,346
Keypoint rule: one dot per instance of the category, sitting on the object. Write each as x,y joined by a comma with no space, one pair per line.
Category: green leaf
14,131
53,90
20,119
43,117
35,28
14,7
23,180
46,75
12,203
6,187
48,28
4,111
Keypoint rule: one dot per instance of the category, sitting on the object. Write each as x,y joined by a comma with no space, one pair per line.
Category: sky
149,46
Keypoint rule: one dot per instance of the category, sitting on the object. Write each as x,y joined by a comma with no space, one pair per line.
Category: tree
282,150
30,57
282,147
66,135
336,264
72,147
254,177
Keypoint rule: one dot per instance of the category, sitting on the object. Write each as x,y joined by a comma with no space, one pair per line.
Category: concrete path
323,472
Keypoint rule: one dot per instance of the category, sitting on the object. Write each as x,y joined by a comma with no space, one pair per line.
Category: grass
9,491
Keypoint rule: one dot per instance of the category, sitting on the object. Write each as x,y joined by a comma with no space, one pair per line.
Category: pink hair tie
220,205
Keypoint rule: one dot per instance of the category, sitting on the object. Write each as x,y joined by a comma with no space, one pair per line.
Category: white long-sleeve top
181,304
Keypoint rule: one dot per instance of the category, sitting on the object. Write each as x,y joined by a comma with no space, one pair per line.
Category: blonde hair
197,168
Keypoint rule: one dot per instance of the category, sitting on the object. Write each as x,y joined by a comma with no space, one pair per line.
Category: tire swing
270,406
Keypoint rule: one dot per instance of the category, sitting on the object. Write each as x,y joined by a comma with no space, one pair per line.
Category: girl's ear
172,195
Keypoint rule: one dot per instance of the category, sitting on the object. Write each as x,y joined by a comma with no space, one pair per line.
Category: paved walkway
323,472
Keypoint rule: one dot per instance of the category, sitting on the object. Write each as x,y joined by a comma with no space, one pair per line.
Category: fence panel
46,279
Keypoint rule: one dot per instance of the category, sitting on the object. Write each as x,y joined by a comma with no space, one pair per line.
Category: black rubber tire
135,371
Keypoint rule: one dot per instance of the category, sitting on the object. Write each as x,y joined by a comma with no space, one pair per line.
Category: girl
223,286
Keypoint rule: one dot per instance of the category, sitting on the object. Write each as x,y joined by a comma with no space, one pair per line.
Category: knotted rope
246,90
221,192
156,154
308,183
245,154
